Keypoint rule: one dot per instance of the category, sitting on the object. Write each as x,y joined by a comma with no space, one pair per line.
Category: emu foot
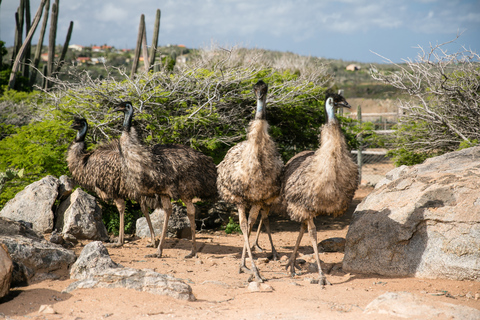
273,256
192,254
254,274
323,281
153,245
292,265
256,247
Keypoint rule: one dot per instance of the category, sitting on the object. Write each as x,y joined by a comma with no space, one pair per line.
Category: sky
351,30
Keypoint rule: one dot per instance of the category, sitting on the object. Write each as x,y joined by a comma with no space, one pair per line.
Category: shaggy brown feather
166,172
249,175
321,182
250,172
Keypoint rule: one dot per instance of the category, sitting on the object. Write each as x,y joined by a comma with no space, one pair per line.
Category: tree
443,111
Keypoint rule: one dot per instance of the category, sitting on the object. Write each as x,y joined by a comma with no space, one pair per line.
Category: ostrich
102,172
176,172
249,175
321,182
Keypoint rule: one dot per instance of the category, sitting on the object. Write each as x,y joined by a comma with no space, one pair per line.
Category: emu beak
117,109
345,105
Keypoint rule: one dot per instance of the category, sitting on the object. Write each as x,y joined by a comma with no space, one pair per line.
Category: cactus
156,31
141,27
21,52
51,41
61,61
28,49
146,63
38,50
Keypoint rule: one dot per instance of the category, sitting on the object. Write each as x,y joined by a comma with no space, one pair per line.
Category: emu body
173,172
320,182
103,172
249,175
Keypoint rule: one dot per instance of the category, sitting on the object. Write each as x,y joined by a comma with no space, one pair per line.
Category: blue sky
346,29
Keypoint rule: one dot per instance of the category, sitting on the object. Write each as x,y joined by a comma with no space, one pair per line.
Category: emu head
81,125
333,101
260,89
127,108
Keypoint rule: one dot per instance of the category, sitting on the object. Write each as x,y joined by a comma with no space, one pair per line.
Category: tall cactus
28,50
146,61
141,28
51,41
38,49
156,31
61,61
21,52
18,29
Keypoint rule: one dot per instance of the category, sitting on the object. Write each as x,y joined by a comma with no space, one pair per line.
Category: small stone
47,309
254,286
198,262
477,296
263,260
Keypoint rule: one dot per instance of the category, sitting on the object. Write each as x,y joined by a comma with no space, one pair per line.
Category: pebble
47,309
477,296
256,286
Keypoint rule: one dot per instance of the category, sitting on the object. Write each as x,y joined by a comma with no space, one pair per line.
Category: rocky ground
222,293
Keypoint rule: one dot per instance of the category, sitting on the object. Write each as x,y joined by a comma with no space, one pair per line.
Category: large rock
422,221
6,270
407,305
34,204
95,269
80,216
65,188
178,223
31,254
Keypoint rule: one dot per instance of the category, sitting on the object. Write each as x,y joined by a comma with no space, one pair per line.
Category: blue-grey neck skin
261,112
81,133
330,109
127,123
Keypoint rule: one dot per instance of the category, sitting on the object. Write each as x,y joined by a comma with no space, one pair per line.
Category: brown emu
321,182
103,172
176,172
249,175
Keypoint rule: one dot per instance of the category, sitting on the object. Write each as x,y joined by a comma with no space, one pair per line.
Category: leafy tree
39,149
443,111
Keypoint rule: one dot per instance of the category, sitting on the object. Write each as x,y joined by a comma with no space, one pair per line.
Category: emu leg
245,229
252,217
120,204
266,222
167,207
191,217
293,257
312,231
256,246
145,212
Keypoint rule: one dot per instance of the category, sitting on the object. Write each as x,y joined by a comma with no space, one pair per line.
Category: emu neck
330,111
127,122
81,134
261,113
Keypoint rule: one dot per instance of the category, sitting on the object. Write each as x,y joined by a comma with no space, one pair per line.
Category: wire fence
373,165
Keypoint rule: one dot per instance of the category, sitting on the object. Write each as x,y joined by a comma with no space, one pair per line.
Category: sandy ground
222,293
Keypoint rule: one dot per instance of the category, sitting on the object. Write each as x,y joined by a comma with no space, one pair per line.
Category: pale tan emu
321,182
249,175
103,172
177,172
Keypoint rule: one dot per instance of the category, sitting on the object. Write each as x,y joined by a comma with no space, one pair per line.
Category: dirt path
223,293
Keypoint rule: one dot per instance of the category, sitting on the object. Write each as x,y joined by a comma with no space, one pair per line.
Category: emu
249,175
320,182
177,172
102,171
